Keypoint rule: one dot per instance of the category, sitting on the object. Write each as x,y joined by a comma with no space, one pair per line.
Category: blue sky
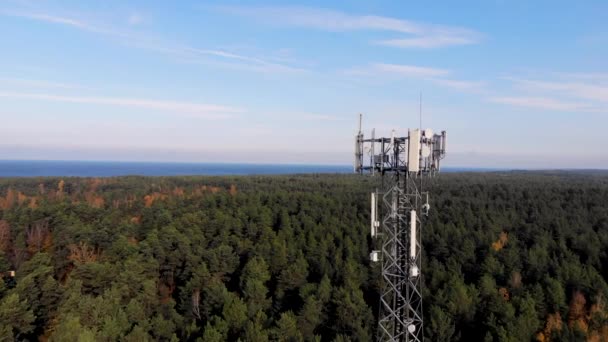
514,83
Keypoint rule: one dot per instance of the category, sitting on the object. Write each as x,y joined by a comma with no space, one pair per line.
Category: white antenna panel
413,152
413,219
373,216
425,151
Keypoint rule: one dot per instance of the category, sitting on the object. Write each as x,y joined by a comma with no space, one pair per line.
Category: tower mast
404,163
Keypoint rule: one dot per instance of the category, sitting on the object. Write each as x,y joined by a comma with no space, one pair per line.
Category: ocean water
50,168
38,168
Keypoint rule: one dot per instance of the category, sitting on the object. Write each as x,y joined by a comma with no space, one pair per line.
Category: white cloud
205,111
232,61
384,71
461,85
182,52
588,76
66,21
583,92
37,83
52,19
420,35
409,70
280,117
398,70
589,91
135,19
319,117
543,103
428,42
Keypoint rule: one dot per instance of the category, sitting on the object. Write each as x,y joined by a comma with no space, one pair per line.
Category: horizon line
451,167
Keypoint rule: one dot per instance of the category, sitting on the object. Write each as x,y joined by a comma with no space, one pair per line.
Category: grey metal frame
401,296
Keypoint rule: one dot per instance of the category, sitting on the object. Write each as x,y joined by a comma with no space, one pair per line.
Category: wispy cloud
410,70
205,111
37,83
587,76
287,116
428,42
589,91
181,52
583,92
231,60
321,117
66,21
397,70
135,19
461,85
418,35
543,103
438,76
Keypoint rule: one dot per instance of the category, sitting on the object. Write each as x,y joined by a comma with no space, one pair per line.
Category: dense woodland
510,256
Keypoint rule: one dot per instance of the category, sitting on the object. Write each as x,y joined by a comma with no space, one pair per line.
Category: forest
507,256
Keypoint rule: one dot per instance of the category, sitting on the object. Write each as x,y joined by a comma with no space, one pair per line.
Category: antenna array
403,162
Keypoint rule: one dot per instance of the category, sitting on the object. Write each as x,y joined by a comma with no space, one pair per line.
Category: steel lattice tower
403,163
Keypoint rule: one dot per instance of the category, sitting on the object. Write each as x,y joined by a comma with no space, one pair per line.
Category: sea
48,168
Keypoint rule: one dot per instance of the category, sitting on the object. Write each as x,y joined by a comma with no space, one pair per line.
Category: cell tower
404,163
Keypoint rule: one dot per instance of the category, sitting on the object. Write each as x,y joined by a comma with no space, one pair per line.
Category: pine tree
17,320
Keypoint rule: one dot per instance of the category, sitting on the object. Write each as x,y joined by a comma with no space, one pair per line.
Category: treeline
507,257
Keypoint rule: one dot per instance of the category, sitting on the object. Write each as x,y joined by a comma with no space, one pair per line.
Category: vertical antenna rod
360,119
420,110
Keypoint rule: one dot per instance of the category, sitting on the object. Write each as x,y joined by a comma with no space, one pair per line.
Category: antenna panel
373,215
357,154
413,152
425,151
413,220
